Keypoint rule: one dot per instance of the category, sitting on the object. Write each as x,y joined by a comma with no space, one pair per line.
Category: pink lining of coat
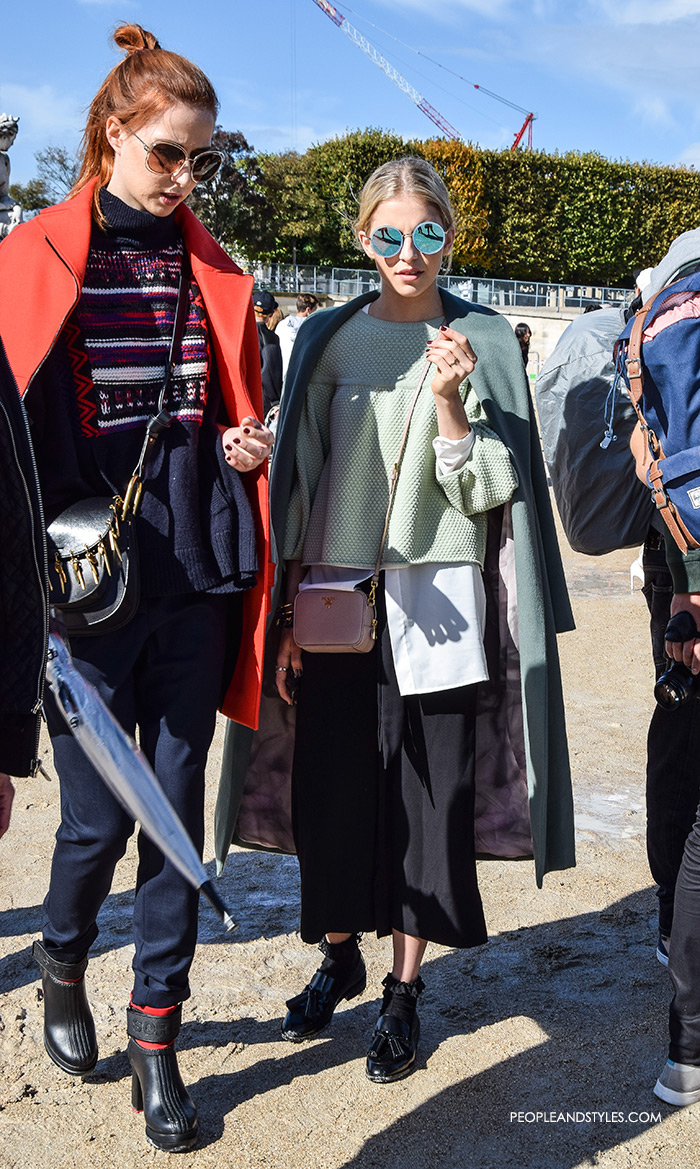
682,306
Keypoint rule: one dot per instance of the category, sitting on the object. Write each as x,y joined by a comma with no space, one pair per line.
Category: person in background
104,270
266,310
287,329
522,332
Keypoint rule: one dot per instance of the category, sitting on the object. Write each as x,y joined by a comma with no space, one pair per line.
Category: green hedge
523,215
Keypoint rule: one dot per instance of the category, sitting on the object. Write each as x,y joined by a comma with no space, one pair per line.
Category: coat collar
68,227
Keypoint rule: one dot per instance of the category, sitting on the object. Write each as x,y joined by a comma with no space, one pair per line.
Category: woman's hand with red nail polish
248,445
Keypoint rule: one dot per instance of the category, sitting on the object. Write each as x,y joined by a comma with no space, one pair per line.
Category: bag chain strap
162,419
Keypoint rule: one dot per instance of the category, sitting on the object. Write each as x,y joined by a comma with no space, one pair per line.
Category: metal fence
296,278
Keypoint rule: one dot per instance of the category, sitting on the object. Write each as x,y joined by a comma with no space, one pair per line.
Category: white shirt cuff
452,453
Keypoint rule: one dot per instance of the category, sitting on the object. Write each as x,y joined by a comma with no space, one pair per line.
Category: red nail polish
228,447
237,441
443,328
246,430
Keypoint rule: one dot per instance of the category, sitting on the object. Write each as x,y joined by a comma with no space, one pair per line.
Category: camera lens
674,687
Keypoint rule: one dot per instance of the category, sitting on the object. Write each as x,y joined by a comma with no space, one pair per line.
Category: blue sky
621,77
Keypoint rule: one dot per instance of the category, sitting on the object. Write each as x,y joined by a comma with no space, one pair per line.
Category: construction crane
393,74
527,125
362,43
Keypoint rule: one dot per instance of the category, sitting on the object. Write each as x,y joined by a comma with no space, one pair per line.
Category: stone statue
10,211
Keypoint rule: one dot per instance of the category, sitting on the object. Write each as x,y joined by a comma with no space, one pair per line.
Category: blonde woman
415,756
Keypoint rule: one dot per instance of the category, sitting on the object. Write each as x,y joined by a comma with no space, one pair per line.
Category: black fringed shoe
157,1089
341,975
69,1029
392,1053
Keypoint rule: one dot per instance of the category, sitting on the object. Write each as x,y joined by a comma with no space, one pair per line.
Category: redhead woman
445,740
87,332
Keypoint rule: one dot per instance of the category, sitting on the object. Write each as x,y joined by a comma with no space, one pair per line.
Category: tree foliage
295,209
31,196
561,218
527,215
233,205
314,197
57,170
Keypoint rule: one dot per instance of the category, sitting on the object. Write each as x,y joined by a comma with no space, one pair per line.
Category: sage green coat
543,607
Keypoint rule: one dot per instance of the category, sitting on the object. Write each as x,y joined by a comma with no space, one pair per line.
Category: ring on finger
281,669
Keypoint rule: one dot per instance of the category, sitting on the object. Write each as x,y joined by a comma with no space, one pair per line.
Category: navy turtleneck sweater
91,400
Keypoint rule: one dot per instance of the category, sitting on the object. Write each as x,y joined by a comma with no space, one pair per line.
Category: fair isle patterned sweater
125,315
90,402
348,439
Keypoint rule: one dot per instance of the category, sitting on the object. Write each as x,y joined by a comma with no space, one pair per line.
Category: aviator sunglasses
168,158
428,238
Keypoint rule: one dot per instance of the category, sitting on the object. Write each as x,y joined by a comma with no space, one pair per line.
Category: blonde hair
409,175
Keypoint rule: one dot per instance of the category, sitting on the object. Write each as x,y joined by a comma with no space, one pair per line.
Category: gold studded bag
332,621
93,566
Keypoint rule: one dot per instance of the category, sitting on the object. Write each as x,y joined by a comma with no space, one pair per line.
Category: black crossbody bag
92,551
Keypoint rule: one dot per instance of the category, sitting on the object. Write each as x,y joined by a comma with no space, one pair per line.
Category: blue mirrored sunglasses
427,237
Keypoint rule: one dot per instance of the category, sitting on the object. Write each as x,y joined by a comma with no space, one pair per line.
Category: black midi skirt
383,803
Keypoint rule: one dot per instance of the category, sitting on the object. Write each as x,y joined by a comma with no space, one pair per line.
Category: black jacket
23,586
271,363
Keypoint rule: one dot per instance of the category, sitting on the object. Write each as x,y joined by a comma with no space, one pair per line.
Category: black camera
676,686
678,683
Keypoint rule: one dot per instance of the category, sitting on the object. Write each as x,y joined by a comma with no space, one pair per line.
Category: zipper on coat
42,575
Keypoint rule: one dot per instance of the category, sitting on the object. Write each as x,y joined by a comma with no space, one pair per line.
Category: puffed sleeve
486,478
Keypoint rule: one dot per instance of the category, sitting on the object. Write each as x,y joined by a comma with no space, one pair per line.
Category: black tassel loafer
392,1053
341,975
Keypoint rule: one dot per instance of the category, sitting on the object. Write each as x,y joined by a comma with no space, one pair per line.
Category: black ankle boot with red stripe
157,1089
69,1030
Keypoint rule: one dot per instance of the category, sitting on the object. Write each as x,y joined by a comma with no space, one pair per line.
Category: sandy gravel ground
564,1011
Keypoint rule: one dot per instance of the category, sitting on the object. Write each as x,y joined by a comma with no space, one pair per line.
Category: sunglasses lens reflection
167,158
386,241
205,166
429,238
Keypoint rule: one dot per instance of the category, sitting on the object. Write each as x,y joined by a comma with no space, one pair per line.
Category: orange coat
42,268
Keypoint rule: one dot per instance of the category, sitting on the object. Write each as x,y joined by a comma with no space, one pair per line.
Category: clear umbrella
125,769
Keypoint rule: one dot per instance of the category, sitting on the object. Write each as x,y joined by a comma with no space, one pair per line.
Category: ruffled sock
337,956
401,998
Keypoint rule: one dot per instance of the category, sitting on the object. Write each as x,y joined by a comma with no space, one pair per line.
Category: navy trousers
161,674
